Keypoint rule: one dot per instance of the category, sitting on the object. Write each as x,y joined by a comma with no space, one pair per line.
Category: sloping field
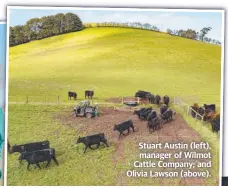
115,62
104,166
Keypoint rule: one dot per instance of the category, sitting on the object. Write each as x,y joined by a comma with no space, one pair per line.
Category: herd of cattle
34,153
153,99
74,95
208,113
37,152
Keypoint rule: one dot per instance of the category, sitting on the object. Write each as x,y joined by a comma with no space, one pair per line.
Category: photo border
222,84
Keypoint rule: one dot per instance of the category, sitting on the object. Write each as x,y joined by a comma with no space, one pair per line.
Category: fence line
178,102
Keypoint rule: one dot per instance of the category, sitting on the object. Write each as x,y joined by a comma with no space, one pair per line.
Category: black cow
36,157
215,125
166,100
124,126
88,141
154,124
151,115
201,111
143,115
29,147
168,115
163,109
8,146
145,95
157,99
138,112
211,107
89,94
72,94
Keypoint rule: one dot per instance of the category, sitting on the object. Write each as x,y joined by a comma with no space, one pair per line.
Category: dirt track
174,131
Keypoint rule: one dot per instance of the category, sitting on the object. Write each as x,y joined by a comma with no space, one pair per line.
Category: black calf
157,99
138,112
215,125
154,124
212,107
163,109
39,156
72,94
166,100
168,115
151,115
29,147
88,141
124,126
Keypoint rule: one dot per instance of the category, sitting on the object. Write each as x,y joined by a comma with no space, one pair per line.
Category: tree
169,31
18,35
32,28
11,36
59,23
204,32
146,26
191,34
47,26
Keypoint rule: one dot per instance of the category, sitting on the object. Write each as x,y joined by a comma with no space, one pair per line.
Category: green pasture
99,167
113,62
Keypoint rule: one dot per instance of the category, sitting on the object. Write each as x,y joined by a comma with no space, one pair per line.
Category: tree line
47,26
189,33
192,34
138,25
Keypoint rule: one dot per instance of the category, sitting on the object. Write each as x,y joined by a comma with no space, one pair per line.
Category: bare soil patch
174,131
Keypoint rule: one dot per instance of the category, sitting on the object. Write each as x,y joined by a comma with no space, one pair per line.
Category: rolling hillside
115,62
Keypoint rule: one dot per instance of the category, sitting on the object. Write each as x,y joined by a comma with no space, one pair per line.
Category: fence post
188,110
26,99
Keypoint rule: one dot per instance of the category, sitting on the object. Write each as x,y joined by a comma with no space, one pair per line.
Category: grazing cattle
89,94
163,109
168,115
157,99
154,124
143,115
195,109
124,126
210,106
201,111
88,141
145,95
208,116
138,112
166,100
215,124
8,146
36,157
29,147
72,94
151,115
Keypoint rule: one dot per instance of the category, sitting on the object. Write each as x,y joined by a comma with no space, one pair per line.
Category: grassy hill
115,62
